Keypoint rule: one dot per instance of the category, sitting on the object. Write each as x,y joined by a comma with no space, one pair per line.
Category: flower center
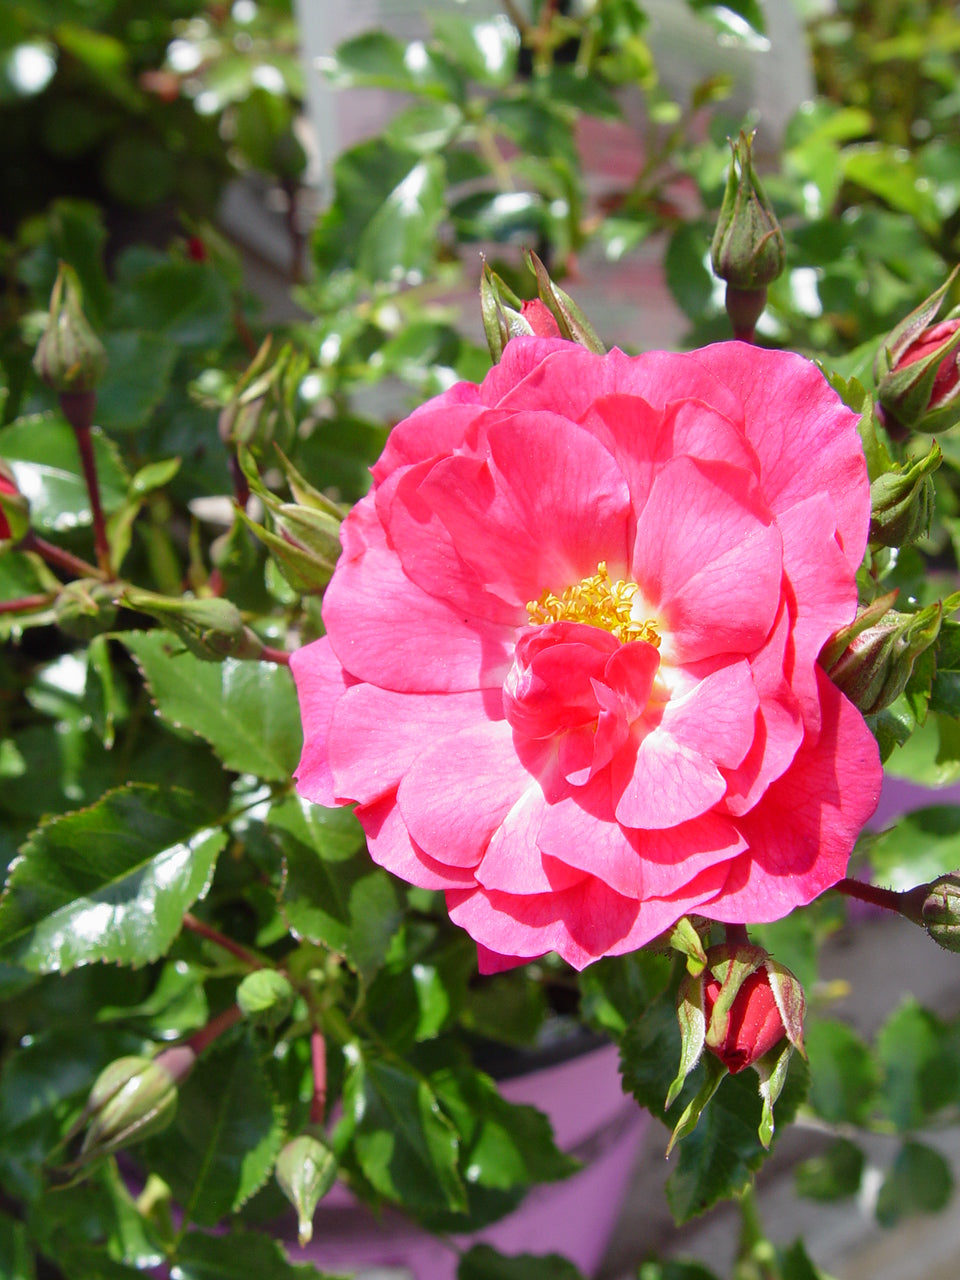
598,602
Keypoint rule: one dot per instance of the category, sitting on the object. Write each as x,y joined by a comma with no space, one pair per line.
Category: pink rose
570,672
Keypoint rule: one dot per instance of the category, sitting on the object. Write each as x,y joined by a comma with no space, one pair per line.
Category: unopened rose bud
14,508
917,368
747,250
570,319
502,313
70,357
874,667
259,413
305,1172
941,912
132,1098
902,501
746,1011
85,608
212,629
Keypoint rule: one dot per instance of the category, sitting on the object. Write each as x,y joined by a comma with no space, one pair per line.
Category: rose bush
570,672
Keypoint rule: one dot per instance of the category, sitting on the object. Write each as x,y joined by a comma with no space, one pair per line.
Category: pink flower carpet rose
570,672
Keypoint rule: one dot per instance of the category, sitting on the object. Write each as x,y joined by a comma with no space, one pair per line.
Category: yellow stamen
599,603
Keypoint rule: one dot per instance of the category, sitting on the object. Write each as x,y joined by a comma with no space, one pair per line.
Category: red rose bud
902,501
747,250
70,357
917,368
876,663
941,912
14,508
196,249
570,319
752,1027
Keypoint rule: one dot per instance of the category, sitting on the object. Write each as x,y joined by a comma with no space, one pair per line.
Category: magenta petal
716,717
708,559
389,632
436,428
656,915
321,682
581,831
391,847
513,862
805,437
545,506
802,831
376,734
664,783
459,790
580,924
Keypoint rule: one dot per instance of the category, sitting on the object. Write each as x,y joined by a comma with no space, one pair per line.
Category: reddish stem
737,935
59,558
279,656
907,904
214,1028
318,1057
89,465
26,604
203,930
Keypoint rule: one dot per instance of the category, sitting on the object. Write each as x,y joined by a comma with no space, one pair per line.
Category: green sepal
210,628
772,1070
693,1032
731,965
500,312
683,937
572,322
714,1074
306,1170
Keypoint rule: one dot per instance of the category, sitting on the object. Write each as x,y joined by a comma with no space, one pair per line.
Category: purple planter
591,1119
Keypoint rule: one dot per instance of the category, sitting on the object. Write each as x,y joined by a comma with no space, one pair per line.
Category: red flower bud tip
539,319
196,249
755,1024
14,509
948,375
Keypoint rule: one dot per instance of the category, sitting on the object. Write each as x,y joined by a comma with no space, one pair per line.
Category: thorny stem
909,903
203,930
26,604
59,558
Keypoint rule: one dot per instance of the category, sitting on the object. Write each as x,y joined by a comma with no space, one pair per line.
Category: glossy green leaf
425,126
688,275
42,452
750,11
225,1137
405,1145
379,60
187,302
502,1144
718,1159
843,1077
832,1176
139,369
239,1255
100,1209
401,235
674,1269
483,1262
923,845
332,892
485,50
920,1063
247,711
110,882
891,174
919,1181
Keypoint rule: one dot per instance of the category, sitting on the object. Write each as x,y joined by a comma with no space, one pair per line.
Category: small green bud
259,412
265,996
305,1172
874,667
570,319
85,608
747,249
941,912
14,508
211,629
917,368
70,357
902,501
132,1098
